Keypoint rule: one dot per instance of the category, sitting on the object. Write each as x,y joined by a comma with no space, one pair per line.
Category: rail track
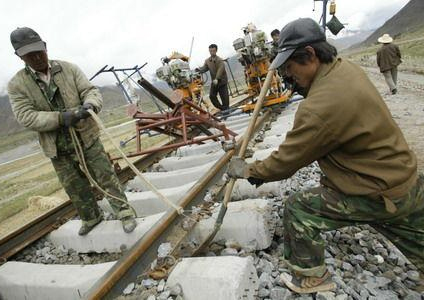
185,176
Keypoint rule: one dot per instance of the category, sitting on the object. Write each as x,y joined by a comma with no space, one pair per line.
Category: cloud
126,33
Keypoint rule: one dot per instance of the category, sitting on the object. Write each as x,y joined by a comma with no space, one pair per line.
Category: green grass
20,203
12,141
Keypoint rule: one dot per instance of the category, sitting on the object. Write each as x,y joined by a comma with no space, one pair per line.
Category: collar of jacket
213,58
53,65
324,69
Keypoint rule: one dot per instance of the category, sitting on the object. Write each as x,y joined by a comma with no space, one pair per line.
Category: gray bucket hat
298,33
25,40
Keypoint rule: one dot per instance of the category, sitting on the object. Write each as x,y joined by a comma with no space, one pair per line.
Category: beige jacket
216,66
345,125
33,111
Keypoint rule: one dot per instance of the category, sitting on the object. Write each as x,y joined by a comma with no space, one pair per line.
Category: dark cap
298,33
25,40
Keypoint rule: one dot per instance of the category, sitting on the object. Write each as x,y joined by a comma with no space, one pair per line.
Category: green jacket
345,125
33,111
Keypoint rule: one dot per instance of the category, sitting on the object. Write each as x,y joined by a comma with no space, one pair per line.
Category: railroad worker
370,173
216,67
275,35
388,58
50,97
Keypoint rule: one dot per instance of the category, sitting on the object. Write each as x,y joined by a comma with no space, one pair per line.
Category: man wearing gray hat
50,97
369,172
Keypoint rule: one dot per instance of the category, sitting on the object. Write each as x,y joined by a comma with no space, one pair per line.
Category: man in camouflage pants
370,174
51,97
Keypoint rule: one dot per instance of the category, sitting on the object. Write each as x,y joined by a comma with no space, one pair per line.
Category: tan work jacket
345,125
33,111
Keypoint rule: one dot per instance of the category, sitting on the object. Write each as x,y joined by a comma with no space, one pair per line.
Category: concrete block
248,222
260,155
243,190
147,203
237,121
216,278
198,149
178,163
279,129
108,236
271,142
175,178
19,280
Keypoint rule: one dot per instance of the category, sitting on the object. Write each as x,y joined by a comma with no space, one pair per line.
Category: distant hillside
349,40
112,98
408,19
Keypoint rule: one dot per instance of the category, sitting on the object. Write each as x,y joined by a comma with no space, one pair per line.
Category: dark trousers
223,94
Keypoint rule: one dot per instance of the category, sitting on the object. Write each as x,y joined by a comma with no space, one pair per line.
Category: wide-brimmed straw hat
385,39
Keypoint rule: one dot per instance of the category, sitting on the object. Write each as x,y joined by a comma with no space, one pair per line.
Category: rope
80,156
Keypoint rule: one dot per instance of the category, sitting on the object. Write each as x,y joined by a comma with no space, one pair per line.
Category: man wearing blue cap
370,173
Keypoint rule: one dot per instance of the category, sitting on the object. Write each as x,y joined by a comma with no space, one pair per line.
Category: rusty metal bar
155,92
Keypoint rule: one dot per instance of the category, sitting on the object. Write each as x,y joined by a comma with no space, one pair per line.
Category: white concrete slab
216,278
243,190
175,178
23,281
147,203
108,236
270,142
260,155
249,222
198,149
178,163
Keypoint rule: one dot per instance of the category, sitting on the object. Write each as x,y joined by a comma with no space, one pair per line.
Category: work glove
69,118
237,168
83,111
215,82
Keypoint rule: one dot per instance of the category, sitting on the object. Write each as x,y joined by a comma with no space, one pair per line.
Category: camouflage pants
311,212
78,187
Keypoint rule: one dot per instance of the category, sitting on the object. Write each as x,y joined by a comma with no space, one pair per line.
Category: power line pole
323,18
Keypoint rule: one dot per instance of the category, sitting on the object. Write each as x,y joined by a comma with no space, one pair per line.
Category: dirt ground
407,108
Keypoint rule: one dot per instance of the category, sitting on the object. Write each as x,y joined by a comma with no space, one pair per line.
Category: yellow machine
186,84
254,54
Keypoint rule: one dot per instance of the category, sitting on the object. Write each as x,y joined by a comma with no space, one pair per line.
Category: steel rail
139,257
20,238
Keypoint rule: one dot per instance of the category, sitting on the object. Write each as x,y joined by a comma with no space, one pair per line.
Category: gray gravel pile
44,252
364,264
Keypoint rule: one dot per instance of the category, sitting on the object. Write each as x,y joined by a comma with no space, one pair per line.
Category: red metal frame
183,118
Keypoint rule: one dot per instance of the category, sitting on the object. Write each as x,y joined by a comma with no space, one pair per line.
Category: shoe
129,224
394,91
87,227
308,285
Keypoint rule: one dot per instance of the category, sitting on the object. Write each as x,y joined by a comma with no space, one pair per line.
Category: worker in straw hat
388,58
369,172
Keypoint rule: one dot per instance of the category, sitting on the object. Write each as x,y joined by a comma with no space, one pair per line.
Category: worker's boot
87,226
129,224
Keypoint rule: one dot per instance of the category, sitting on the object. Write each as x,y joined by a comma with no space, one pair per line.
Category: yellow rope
80,156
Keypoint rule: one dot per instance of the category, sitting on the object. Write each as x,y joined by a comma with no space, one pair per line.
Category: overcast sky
125,33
